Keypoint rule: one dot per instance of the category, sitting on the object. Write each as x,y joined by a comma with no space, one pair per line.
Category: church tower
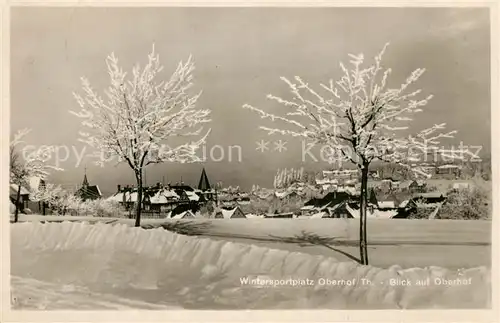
204,184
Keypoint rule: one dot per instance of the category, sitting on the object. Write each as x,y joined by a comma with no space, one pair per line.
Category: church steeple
85,181
204,184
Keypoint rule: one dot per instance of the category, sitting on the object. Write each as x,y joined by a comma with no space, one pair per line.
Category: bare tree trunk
363,248
138,177
18,197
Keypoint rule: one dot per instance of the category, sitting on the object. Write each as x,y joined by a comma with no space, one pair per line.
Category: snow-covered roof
254,216
373,214
405,184
281,194
118,197
15,187
384,214
427,205
448,166
170,193
129,197
98,190
163,196
340,172
185,214
386,204
326,181
227,214
460,185
277,215
264,195
436,194
319,215
192,196
404,203
158,199
336,206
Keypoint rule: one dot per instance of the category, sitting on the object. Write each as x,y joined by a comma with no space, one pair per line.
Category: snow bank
163,268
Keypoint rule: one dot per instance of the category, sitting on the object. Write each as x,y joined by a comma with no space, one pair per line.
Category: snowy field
446,243
103,266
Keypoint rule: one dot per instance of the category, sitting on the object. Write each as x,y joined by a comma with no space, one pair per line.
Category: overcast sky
240,53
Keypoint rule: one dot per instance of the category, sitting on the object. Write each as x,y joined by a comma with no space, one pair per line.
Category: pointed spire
85,181
204,184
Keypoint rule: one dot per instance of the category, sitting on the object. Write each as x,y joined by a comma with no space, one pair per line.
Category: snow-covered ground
32,294
77,265
408,243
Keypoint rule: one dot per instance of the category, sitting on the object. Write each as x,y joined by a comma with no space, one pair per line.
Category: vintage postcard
256,162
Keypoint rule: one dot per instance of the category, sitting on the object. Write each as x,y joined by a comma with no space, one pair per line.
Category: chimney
119,187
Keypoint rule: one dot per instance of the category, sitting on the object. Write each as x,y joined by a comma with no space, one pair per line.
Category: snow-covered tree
69,202
103,208
25,166
359,119
50,194
142,116
286,177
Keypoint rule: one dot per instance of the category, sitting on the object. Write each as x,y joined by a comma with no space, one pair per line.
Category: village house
415,186
429,203
183,207
234,213
183,215
333,203
448,171
24,196
159,199
27,203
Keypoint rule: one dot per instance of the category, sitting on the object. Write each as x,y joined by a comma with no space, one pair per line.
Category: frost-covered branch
359,117
139,114
28,165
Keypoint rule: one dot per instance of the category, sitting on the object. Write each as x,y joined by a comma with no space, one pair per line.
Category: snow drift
166,269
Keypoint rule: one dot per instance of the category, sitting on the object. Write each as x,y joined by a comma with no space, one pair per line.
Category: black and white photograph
250,158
